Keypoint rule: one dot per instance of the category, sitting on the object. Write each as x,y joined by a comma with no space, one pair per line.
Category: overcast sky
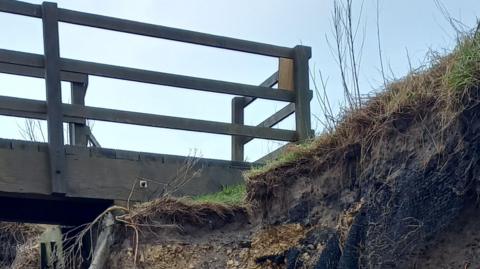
408,25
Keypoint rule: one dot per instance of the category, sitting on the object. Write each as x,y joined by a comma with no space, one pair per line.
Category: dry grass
442,89
180,212
19,244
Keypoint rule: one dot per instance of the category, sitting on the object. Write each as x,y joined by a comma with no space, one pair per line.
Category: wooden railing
292,78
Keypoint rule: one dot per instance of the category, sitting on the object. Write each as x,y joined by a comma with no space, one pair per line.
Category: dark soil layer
387,197
458,246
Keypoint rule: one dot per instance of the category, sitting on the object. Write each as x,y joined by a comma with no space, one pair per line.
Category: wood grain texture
285,74
106,173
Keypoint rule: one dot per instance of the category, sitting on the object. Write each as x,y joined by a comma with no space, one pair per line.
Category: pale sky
408,25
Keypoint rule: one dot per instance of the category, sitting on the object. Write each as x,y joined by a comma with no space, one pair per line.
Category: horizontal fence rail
172,80
20,107
291,79
71,67
37,72
151,30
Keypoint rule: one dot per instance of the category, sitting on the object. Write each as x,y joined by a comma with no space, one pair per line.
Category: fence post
54,96
78,131
238,106
302,92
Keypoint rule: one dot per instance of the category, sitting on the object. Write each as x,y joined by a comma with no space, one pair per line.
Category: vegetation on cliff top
442,86
231,195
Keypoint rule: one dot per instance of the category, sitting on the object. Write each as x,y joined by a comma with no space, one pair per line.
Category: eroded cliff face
388,183
389,206
395,185
406,199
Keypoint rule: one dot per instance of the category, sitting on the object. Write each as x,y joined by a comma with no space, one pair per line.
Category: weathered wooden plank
145,29
15,178
21,58
237,151
285,74
109,177
37,72
20,107
93,139
144,119
202,84
302,92
78,131
27,108
20,8
278,116
114,178
51,47
269,83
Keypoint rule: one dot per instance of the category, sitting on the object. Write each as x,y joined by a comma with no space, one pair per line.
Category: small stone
230,262
305,256
245,244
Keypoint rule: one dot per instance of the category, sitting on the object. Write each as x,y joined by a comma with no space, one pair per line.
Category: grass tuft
465,71
289,155
230,195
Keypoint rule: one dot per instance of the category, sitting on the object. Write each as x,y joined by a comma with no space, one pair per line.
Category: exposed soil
237,248
457,247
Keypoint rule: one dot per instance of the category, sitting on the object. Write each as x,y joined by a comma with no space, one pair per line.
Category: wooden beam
15,62
173,80
145,29
285,74
72,113
21,58
237,151
39,72
27,108
302,92
169,122
93,139
109,174
54,97
21,8
269,83
78,131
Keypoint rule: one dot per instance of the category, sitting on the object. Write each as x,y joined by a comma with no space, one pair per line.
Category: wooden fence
292,79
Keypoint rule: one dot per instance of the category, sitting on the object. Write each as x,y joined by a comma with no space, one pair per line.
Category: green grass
465,73
288,156
231,195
